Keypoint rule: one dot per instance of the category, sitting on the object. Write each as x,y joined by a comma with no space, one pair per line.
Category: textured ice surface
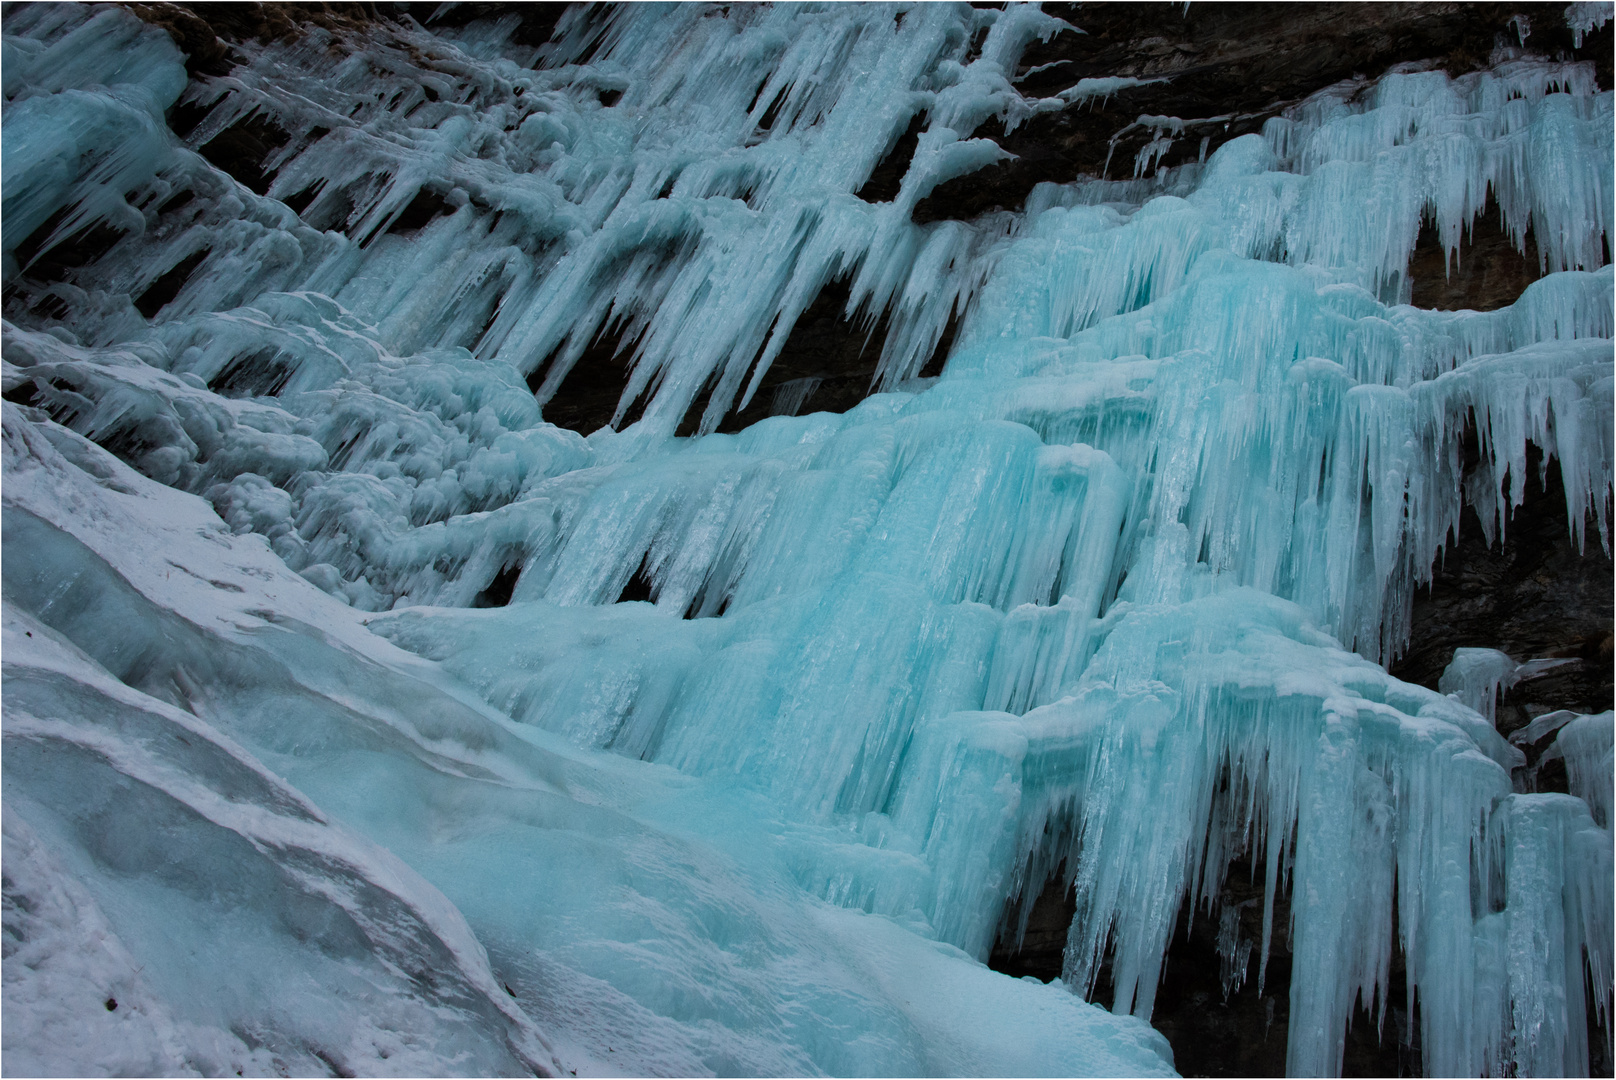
1586,15
1585,743
648,923
1113,592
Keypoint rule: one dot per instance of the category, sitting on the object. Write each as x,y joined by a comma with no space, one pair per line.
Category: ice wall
1112,592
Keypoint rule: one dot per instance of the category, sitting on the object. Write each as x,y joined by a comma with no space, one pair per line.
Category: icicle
1585,744
1476,676
1585,16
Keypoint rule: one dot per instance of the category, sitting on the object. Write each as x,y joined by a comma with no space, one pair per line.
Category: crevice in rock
1532,596
1245,1032
887,177
501,589
772,113
639,587
1003,185
1600,1059
690,423
263,373
1241,1032
242,149
1489,272
46,305
588,394
24,393
945,345
479,343
160,293
180,199
335,208
45,262
708,603
1043,947
422,210
299,201
827,364
973,49
825,345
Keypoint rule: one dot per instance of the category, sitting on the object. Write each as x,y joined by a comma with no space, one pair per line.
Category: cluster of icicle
1085,600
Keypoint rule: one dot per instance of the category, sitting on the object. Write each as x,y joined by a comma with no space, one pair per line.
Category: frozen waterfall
331,743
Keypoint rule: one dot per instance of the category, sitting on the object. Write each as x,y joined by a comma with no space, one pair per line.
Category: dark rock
1489,273
1042,949
262,373
500,590
1534,595
1241,1032
45,257
884,182
243,148
206,32
427,205
162,292
1228,68
825,345
206,52
588,395
837,353
536,21
840,354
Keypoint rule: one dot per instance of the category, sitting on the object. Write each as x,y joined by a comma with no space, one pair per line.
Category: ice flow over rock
1110,596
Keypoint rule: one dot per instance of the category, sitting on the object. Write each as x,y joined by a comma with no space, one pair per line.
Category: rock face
1488,274
1535,595
827,365
1222,70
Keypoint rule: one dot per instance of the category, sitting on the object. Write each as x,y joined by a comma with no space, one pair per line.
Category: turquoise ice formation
1112,593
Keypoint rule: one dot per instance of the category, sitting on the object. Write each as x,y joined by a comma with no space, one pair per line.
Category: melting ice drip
1085,600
